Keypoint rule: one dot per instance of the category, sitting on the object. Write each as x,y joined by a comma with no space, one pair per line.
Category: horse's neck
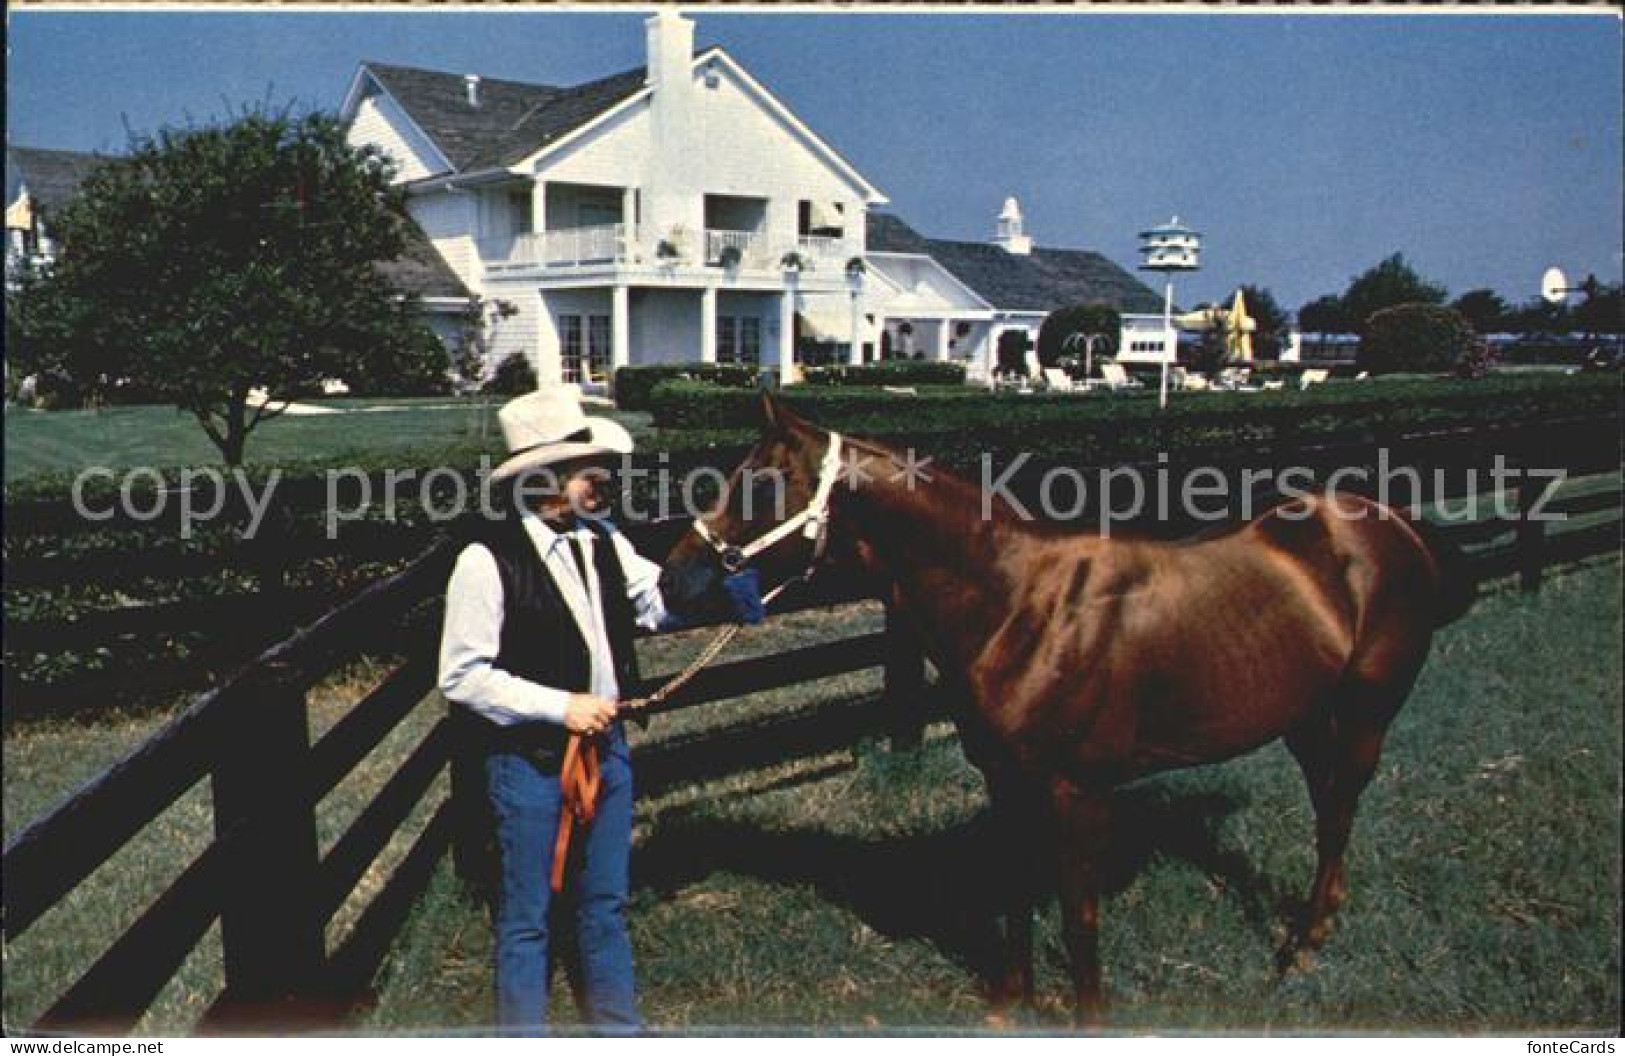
943,558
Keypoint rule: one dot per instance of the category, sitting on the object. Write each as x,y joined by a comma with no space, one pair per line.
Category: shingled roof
420,269
51,176
513,119
1042,281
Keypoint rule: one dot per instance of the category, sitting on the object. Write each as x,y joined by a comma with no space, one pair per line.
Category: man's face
584,485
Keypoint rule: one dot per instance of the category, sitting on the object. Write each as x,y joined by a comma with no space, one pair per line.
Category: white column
708,325
880,336
944,327
787,330
629,221
854,354
620,328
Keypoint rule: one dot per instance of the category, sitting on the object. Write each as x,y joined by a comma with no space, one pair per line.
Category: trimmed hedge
892,372
1121,427
634,384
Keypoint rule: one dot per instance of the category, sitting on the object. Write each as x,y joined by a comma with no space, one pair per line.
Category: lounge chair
1056,380
1117,377
1313,377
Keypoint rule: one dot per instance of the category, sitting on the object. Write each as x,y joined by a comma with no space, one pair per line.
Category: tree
1538,316
1325,315
1392,282
1270,320
1089,320
216,259
1484,310
1415,337
1603,310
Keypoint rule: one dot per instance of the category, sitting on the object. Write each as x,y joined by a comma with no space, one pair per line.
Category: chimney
471,81
1010,234
671,47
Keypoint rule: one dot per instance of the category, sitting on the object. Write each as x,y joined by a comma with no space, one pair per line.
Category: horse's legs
1084,817
1338,754
1019,821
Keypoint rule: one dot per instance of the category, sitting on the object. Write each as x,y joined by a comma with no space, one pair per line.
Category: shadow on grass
942,886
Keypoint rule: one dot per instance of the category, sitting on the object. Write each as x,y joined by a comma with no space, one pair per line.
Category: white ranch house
681,213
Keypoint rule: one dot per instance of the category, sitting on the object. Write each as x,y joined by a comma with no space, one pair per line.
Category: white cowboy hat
548,426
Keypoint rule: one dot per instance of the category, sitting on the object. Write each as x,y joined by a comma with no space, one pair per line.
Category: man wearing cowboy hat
537,645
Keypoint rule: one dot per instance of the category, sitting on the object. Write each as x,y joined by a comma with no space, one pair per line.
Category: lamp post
1169,248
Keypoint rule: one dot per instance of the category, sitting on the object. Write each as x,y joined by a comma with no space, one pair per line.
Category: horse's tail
1458,583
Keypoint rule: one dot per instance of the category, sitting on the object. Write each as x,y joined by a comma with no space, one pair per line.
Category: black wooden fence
274,894
148,653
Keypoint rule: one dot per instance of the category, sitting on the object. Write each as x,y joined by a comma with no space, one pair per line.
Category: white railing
601,244
751,246
824,249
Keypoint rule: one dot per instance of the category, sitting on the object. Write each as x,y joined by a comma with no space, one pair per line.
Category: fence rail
274,894
139,656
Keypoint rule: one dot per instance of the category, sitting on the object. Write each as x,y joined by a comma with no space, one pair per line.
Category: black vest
540,639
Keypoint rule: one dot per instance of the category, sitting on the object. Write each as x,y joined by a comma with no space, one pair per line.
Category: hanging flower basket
730,257
856,268
793,261
667,250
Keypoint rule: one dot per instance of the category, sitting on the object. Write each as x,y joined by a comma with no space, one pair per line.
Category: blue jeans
526,803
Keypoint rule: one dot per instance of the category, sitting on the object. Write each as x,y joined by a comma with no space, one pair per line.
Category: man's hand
744,591
589,715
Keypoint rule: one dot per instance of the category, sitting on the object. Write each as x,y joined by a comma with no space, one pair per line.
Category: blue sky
1305,147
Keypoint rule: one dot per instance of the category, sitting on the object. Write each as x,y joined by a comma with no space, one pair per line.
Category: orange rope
578,779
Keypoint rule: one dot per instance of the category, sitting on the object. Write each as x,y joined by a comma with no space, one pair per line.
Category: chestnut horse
1075,661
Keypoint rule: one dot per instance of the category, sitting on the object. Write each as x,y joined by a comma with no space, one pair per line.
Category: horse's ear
779,418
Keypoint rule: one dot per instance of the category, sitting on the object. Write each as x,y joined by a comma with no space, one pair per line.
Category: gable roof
420,268
51,176
1042,281
514,119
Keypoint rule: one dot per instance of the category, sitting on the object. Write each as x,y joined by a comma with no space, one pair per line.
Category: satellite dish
1554,286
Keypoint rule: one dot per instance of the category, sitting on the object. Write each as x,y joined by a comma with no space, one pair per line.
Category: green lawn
844,892
415,432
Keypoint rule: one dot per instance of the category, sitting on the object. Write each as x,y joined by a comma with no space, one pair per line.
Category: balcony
825,253
564,247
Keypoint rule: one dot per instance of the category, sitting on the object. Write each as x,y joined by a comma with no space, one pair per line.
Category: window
739,339
584,342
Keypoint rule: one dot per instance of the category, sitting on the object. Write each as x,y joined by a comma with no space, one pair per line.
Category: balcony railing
823,250
625,244
563,247
752,247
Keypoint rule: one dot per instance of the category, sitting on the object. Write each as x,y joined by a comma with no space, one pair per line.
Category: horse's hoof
1295,958
998,1021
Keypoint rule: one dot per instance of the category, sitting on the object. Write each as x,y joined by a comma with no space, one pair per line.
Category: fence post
271,931
905,690
1529,538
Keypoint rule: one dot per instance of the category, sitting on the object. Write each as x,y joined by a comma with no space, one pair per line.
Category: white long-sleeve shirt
472,636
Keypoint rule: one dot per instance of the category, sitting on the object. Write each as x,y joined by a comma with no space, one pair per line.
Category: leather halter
813,521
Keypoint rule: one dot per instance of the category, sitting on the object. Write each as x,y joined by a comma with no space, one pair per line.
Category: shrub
1063,323
633,384
1128,427
1421,338
893,372
1012,352
514,376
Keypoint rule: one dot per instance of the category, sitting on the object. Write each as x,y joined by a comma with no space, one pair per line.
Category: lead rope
578,775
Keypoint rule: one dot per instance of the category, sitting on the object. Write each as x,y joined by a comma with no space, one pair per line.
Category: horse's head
770,517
